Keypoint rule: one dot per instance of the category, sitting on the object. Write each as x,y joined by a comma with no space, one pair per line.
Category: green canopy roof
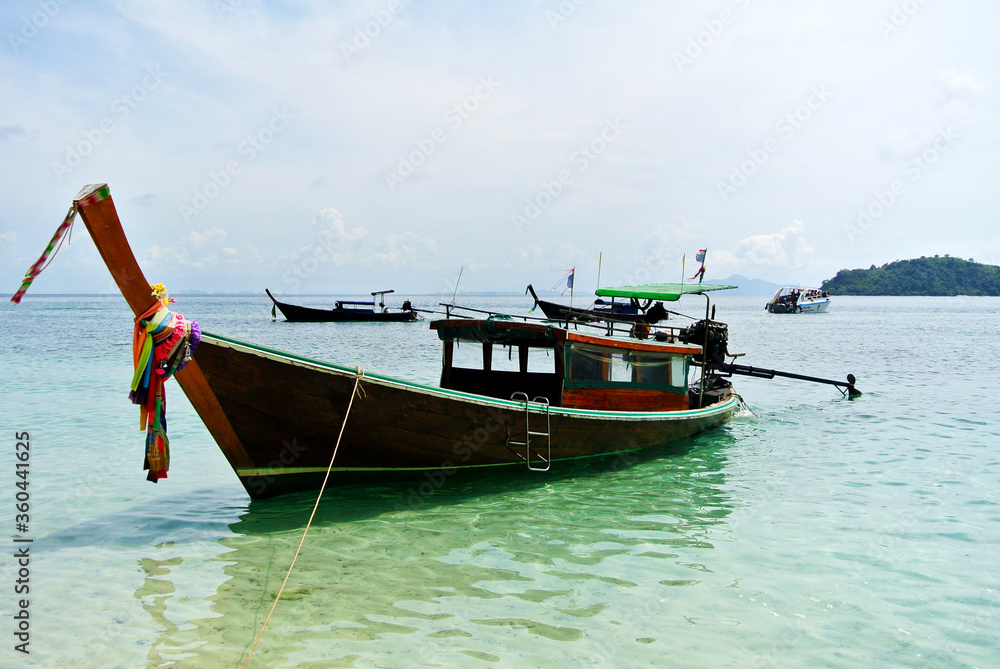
670,292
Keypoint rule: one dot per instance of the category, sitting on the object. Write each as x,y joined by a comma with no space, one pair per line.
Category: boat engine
718,338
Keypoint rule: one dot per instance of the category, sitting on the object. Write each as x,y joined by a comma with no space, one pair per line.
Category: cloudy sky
349,146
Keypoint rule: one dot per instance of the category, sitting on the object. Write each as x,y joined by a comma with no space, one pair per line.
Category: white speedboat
798,300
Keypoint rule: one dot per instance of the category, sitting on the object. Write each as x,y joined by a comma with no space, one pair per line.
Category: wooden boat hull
560,312
612,312
287,412
297,314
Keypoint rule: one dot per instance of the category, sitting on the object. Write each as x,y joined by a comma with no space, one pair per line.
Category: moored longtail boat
346,311
601,310
277,416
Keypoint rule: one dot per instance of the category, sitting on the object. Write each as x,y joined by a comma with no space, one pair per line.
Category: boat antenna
457,281
599,255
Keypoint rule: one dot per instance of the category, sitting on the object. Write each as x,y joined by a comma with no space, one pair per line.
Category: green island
940,275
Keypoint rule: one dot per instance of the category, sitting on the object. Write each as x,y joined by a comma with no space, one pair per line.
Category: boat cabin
587,371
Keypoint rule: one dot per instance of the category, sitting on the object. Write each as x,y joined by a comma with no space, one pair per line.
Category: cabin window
593,366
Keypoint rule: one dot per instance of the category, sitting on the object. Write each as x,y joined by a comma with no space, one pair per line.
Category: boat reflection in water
482,567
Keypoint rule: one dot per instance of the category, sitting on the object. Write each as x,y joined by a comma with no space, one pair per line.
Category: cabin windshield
585,372
595,366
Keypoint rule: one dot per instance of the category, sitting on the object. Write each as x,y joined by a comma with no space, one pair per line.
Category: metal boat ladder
542,404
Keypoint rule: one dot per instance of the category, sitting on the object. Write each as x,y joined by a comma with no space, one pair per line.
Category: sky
345,147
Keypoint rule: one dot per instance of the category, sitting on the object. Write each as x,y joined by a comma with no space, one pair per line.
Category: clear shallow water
814,532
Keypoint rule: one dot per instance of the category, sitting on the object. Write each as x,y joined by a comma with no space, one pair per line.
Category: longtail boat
346,311
613,311
282,420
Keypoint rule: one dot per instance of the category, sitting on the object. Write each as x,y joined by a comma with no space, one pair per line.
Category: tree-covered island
940,275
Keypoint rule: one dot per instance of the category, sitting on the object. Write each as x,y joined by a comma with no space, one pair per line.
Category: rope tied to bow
358,391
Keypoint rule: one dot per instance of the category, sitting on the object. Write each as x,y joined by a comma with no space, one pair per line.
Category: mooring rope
354,393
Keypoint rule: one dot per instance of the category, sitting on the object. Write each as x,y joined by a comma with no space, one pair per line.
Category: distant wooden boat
798,300
628,311
346,311
282,419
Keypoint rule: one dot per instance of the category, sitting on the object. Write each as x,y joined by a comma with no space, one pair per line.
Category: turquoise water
814,531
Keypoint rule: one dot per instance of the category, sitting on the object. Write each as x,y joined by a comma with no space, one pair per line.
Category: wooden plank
624,399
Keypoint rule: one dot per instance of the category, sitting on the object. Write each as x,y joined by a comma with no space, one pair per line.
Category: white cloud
953,100
398,251
8,243
952,84
786,249
195,250
199,251
335,246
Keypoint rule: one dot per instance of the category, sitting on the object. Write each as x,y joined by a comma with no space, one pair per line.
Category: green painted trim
271,471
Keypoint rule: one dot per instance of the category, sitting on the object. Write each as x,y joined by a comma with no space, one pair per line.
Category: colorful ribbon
162,343
56,243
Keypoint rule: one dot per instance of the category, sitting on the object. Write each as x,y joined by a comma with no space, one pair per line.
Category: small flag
569,282
700,257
